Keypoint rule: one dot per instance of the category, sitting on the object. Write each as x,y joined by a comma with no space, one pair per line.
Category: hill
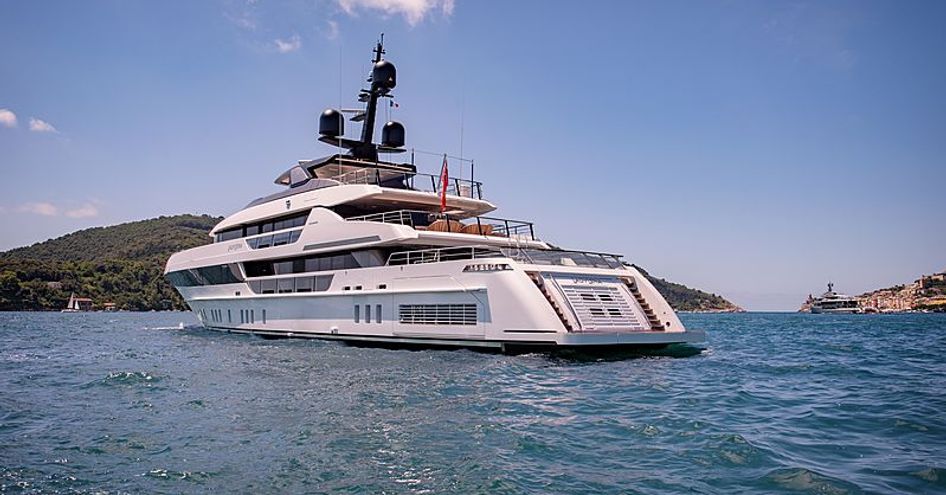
683,298
124,264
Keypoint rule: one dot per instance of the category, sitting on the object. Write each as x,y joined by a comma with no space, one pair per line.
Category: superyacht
369,250
832,302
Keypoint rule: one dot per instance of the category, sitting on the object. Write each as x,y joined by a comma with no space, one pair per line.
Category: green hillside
124,264
683,298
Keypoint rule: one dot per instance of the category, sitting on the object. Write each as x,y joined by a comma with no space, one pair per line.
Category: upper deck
362,186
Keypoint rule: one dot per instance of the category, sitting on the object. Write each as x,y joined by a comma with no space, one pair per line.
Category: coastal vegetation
121,264
124,264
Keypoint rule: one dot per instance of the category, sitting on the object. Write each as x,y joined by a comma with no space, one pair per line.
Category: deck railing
564,258
527,256
437,255
500,227
464,188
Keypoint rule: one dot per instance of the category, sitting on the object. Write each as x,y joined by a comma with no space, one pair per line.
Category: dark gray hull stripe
342,242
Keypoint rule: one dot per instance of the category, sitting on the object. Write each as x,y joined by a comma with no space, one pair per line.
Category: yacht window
252,230
264,316
357,313
230,234
294,236
323,282
281,239
305,284
253,243
268,286
264,242
256,286
285,285
267,227
313,265
377,312
283,267
367,313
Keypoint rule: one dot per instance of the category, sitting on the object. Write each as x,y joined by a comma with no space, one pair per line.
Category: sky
756,150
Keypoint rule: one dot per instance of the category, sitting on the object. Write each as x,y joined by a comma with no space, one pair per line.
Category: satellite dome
392,135
331,123
384,75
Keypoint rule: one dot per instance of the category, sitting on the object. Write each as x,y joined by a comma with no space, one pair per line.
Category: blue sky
752,149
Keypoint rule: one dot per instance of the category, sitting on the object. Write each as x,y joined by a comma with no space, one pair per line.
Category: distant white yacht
366,250
832,302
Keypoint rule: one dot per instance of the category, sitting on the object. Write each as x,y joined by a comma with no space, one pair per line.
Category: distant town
926,294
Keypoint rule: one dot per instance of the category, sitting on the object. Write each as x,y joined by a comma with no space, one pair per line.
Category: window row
271,225
318,283
208,275
377,312
301,265
279,239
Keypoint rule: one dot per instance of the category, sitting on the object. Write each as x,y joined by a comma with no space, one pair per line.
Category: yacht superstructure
832,302
357,248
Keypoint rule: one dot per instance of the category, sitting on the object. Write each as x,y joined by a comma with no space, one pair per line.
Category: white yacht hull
499,309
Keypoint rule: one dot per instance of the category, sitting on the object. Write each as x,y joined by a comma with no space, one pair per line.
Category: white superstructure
832,302
361,249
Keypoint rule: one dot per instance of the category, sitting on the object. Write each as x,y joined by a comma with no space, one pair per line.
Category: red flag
444,179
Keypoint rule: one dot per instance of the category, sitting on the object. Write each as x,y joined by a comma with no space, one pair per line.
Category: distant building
109,306
935,280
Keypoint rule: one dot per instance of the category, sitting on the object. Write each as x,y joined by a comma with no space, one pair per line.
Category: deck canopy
348,170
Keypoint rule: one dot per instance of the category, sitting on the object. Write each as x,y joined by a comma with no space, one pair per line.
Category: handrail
562,257
502,227
464,188
436,255
528,256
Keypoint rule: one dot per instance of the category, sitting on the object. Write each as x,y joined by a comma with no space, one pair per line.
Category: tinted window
304,284
230,234
281,239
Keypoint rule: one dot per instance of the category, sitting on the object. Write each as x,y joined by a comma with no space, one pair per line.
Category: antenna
382,80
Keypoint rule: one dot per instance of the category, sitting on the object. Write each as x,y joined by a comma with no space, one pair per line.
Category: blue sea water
774,403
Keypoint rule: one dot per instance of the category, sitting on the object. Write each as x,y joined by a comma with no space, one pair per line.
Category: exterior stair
537,279
652,318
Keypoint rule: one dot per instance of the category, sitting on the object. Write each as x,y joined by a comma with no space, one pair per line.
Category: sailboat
73,305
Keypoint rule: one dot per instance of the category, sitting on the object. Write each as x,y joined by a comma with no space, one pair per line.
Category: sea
773,403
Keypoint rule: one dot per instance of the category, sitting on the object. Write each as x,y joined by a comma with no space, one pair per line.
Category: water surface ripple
775,403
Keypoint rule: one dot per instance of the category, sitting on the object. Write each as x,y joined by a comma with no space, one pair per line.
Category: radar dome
392,135
331,123
384,75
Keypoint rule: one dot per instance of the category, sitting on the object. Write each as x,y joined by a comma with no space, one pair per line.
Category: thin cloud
7,118
413,11
332,32
292,44
87,210
38,125
41,208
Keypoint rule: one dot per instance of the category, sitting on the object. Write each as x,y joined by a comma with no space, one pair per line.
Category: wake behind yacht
356,248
